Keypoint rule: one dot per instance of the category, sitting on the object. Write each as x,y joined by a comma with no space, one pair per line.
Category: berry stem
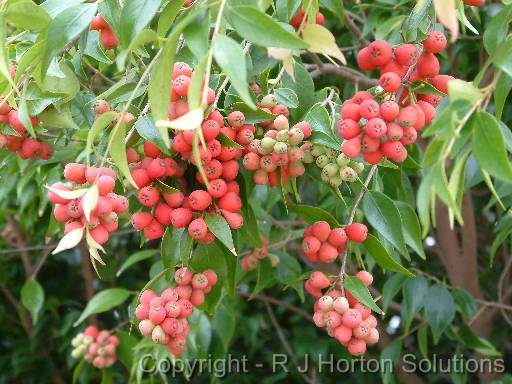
364,188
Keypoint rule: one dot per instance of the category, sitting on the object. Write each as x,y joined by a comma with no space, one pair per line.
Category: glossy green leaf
175,247
312,214
32,298
135,258
381,256
414,295
26,14
384,217
104,301
411,228
136,15
360,292
65,27
439,310
220,228
118,151
259,28
489,147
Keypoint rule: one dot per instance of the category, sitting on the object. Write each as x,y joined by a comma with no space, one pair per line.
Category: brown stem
88,278
20,243
470,247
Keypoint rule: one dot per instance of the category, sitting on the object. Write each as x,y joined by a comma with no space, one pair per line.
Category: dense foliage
234,190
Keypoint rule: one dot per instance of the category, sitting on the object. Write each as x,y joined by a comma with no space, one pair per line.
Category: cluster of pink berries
278,148
181,78
164,318
103,218
96,347
108,38
381,126
25,147
252,261
343,316
323,244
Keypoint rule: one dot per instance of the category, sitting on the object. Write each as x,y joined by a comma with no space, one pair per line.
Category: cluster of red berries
278,148
181,78
336,167
323,244
300,16
164,318
252,261
103,218
108,38
25,147
177,209
343,316
97,347
381,126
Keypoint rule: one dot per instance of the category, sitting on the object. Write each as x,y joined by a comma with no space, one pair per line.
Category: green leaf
103,301
411,228
303,86
261,29
135,16
439,310
230,57
32,297
503,87
4,56
414,293
465,302
321,127
135,258
312,214
391,352
422,341
321,40
167,17
413,21
144,37
287,97
382,257
501,57
175,247
468,338
27,15
497,29
489,147
383,216
288,272
100,124
360,292
54,7
390,288
220,228
118,151
197,33
147,129
65,27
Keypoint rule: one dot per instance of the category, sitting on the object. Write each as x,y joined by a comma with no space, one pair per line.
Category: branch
88,278
352,27
344,72
20,243
280,303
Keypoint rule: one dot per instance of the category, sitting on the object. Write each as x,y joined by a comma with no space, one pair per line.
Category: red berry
142,311
407,117
140,176
236,119
365,60
234,219
217,188
428,110
327,253
180,217
106,185
197,228
369,144
75,172
409,136
373,157
380,52
147,295
389,110
337,237
376,128
156,169
394,150
199,200
343,334
351,111
369,109
393,66
319,280
390,81
435,43
352,147
348,128
163,213
356,347
311,245
175,200
352,318
180,85
356,232
230,170
395,132
154,230
108,38
99,234
406,54
366,277
428,65
230,202
321,230
149,196
440,82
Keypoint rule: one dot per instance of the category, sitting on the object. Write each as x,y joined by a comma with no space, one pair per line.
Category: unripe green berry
75,353
322,161
325,178
88,340
308,157
332,153
280,148
330,169
266,145
269,101
281,123
342,160
102,352
358,167
282,136
348,174
317,150
335,181
296,136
